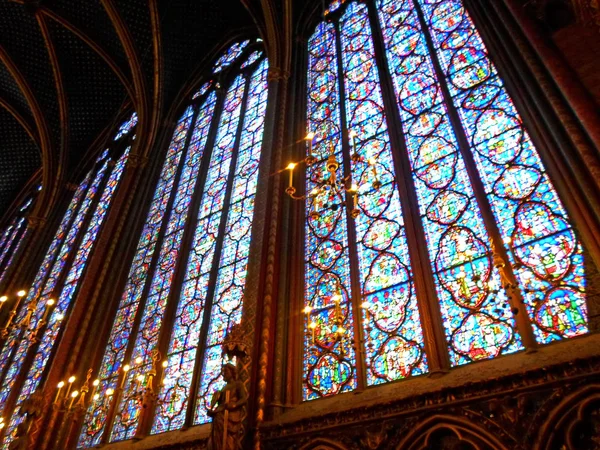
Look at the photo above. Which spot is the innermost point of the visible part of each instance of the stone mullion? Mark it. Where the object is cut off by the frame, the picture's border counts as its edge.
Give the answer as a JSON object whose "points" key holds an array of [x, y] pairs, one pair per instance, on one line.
{"points": [[536, 99], [184, 251], [500, 255], [187, 246], [547, 130], [147, 415], [425, 281], [355, 277]]}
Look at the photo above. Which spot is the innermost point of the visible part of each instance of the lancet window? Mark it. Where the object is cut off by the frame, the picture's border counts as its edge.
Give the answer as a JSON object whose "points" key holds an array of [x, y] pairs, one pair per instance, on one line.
{"points": [[191, 260], [14, 235], [456, 225], [38, 314]]}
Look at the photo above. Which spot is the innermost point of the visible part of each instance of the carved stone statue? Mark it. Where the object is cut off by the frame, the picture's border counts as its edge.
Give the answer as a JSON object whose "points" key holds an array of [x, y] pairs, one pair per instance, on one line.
{"points": [[227, 411], [31, 409]]}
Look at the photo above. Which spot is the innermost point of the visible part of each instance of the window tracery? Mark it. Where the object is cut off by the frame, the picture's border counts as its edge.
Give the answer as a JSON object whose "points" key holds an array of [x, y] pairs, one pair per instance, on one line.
{"points": [[191, 259], [413, 80], [28, 348]]}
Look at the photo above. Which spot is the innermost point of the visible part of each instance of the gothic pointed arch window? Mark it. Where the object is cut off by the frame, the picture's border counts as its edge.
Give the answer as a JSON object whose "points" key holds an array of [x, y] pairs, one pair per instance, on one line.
{"points": [[14, 234], [32, 335], [458, 225], [191, 260]]}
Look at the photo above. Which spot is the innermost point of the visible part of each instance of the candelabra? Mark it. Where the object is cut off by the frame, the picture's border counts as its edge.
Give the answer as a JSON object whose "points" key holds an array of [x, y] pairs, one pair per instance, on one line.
{"points": [[339, 192], [329, 183]]}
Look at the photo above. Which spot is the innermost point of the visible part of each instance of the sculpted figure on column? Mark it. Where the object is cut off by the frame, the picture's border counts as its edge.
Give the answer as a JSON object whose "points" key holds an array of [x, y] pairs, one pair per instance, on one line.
{"points": [[227, 411]]}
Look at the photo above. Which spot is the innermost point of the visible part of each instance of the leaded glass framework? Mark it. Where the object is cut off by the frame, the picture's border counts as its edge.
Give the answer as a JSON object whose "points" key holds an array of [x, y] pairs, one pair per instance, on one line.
{"points": [[191, 260], [13, 236], [465, 203], [28, 349]]}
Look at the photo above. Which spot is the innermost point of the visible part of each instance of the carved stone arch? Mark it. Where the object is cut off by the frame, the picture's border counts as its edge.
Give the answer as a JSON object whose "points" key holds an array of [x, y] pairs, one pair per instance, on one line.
{"points": [[448, 432], [323, 444], [574, 424]]}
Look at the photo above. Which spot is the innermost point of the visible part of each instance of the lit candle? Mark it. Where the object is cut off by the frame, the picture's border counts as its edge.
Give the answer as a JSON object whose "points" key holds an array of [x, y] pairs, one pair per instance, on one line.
{"points": [[138, 360], [125, 370], [313, 327], [309, 137], [49, 305], [74, 395], [354, 192], [71, 380], [291, 167], [3, 300], [96, 383], [352, 135], [109, 392], [20, 296], [60, 386]]}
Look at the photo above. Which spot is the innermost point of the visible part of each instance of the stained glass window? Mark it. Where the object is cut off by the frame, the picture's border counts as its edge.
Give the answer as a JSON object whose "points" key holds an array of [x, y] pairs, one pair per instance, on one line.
{"points": [[13, 236], [446, 134], [204, 196], [57, 278]]}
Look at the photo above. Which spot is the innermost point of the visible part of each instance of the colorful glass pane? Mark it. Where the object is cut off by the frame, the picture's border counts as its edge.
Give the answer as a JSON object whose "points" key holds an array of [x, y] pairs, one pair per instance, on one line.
{"points": [[138, 276], [39, 304], [230, 56], [393, 336], [329, 367], [14, 336], [12, 238], [55, 319], [196, 281], [203, 89], [254, 56], [147, 338], [11, 241], [478, 322], [127, 126], [174, 393], [228, 299], [543, 246]]}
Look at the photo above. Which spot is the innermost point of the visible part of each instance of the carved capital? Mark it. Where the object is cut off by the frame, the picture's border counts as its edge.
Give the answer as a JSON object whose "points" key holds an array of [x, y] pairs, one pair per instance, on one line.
{"points": [[277, 74], [137, 161], [35, 222]]}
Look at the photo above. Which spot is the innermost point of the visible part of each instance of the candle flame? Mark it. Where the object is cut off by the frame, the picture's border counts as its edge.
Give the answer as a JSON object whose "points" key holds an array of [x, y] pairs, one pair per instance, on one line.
{"points": [[96, 382], [310, 136], [138, 360], [312, 325], [21, 293], [307, 310], [74, 394], [352, 134], [110, 392], [126, 368], [3, 298], [50, 302], [165, 364], [72, 379], [291, 166], [61, 384]]}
